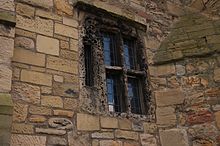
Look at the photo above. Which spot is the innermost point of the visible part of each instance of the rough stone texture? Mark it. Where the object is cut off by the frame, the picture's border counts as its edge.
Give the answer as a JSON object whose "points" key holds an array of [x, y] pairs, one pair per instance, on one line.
{"points": [[47, 45], [36, 77], [50, 131], [169, 97], [29, 57], [110, 143], [217, 118], [217, 74], [103, 135], [20, 112], [87, 122], [107, 122], [25, 10], [174, 136], [166, 116], [24, 42], [40, 3], [63, 7], [7, 5], [126, 134], [54, 140], [148, 140], [66, 31], [27, 140], [40, 110], [52, 101]]}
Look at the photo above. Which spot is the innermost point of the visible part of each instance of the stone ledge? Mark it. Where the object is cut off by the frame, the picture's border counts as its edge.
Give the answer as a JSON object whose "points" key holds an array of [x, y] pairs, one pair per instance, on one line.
{"points": [[6, 104], [103, 8], [7, 18]]}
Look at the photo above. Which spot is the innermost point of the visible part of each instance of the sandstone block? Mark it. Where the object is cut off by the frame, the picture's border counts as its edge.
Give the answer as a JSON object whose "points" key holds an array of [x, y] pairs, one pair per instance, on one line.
{"points": [[6, 49], [22, 128], [74, 45], [103, 135], [28, 57], [7, 5], [174, 136], [58, 78], [5, 78], [70, 55], [66, 31], [199, 117], [48, 14], [50, 131], [24, 42], [52, 101], [38, 25], [107, 122], [25, 33], [66, 89], [55, 140], [39, 3], [27, 140], [63, 6], [150, 127], [166, 116], [169, 97], [63, 113], [125, 124], [60, 123], [25, 10], [46, 90], [64, 45], [162, 70], [62, 65], [6, 104], [70, 22], [37, 119], [110, 143], [70, 103], [36, 77], [20, 112], [217, 74], [126, 134], [40, 110], [47, 45], [148, 140], [87, 122], [131, 144]]}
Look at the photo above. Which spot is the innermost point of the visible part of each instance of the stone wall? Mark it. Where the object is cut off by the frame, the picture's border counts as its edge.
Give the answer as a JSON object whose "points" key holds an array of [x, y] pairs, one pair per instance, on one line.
{"points": [[182, 48]]}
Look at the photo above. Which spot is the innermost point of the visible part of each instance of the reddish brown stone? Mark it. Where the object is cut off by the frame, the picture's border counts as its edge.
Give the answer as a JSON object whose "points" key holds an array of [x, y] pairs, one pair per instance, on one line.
{"points": [[200, 117]]}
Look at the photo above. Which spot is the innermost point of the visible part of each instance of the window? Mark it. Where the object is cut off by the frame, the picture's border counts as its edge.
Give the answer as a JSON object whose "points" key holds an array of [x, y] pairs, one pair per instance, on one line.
{"points": [[115, 71]]}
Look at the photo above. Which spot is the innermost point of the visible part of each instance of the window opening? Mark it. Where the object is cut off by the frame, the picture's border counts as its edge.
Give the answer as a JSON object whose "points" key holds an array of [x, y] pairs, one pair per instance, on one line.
{"points": [[89, 78]]}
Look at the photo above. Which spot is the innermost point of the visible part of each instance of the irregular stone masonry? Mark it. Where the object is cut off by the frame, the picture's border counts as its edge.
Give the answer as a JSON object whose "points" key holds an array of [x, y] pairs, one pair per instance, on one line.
{"points": [[41, 71]]}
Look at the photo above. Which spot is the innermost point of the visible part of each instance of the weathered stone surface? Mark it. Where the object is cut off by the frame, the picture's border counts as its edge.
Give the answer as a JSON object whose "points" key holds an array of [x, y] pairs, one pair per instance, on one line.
{"points": [[150, 127], [63, 6], [148, 140], [70, 103], [20, 112], [174, 136], [7, 5], [6, 104], [7, 31], [52, 101], [22, 128], [87, 122], [80, 140], [107, 122], [37, 119], [58, 78], [69, 55], [137, 126], [40, 110], [180, 70], [217, 119], [48, 14], [131, 144], [63, 65], [40, 3], [29, 57], [66, 31], [24, 42], [47, 45], [26, 92], [110, 143], [200, 117], [36, 77], [125, 124], [169, 97], [103, 135], [74, 45], [65, 89], [217, 74], [46, 90], [55, 140], [162, 70], [50, 131], [6, 49], [25, 10], [63, 113], [27, 140], [60, 123], [70, 21], [37, 25], [166, 116], [25, 33], [5, 122], [126, 134]]}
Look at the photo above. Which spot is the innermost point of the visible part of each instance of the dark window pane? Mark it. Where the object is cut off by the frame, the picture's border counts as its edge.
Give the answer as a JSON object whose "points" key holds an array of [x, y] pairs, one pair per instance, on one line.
{"points": [[88, 65], [129, 54], [134, 95], [110, 51], [113, 93]]}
